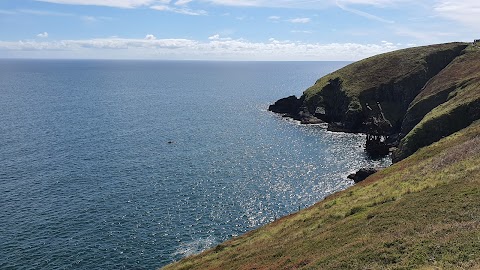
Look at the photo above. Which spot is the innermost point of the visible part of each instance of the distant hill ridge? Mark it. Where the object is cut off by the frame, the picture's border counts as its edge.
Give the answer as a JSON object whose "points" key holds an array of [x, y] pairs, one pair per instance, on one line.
{"points": [[423, 212]]}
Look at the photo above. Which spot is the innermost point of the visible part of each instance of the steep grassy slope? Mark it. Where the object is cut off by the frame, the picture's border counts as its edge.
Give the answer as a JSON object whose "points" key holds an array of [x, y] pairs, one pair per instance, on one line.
{"points": [[423, 212], [457, 74], [450, 102], [392, 79]]}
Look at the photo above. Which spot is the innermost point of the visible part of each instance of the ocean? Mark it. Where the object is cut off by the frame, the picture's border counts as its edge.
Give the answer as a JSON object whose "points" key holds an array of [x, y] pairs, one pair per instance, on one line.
{"points": [[135, 164]]}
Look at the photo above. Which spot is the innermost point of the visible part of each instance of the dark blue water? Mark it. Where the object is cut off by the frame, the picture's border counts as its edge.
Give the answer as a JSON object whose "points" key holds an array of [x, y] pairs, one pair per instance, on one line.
{"points": [[89, 180]]}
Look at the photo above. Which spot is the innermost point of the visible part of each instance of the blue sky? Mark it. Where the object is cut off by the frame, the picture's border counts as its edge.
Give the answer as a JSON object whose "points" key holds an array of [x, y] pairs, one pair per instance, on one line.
{"points": [[229, 29]]}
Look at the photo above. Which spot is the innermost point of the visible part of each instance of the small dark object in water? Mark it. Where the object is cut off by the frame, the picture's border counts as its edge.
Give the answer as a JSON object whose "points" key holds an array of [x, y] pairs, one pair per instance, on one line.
{"points": [[170, 142]]}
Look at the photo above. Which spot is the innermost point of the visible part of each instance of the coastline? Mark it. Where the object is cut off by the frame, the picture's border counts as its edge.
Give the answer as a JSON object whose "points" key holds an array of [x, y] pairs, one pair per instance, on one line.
{"points": [[386, 220]]}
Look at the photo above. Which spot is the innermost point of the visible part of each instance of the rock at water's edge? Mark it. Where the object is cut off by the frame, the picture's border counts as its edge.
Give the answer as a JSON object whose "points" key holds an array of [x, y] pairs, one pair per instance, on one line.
{"points": [[362, 174], [292, 107], [289, 106]]}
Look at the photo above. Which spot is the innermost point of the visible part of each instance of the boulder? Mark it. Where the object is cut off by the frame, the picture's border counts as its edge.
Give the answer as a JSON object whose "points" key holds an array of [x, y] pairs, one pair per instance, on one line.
{"points": [[288, 106], [362, 174]]}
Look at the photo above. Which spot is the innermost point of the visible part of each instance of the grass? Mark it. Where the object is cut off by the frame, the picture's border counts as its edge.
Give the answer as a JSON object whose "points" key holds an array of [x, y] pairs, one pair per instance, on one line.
{"points": [[394, 79], [462, 108], [381, 69], [462, 71], [422, 212]]}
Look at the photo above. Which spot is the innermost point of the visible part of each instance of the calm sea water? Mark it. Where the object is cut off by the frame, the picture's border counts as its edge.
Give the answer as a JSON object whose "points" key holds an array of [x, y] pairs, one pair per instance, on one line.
{"points": [[134, 164]]}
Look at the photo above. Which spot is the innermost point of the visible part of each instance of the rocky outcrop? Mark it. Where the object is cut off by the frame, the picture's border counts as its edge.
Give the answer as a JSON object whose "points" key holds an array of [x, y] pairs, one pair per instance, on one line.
{"points": [[289, 106], [460, 72], [448, 103], [461, 110], [362, 174], [292, 107], [346, 99]]}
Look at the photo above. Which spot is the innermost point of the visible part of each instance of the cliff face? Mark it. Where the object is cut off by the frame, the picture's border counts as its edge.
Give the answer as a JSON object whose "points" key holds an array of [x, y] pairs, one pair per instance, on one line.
{"points": [[460, 110], [458, 73], [399, 88], [393, 80]]}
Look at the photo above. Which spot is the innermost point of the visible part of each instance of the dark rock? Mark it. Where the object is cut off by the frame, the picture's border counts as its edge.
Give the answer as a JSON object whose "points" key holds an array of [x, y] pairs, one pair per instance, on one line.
{"points": [[292, 107], [306, 118], [362, 174], [289, 106]]}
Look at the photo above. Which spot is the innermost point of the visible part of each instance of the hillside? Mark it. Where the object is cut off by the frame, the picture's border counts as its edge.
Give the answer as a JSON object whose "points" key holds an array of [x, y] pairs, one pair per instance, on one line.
{"points": [[423, 212], [345, 97], [448, 103]]}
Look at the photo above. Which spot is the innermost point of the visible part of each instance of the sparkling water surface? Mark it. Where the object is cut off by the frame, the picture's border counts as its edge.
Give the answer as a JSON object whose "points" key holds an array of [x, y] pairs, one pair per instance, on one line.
{"points": [[135, 164]]}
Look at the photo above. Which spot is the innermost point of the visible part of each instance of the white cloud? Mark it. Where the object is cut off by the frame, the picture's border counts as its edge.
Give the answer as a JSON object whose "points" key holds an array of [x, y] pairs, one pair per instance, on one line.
{"points": [[43, 35], [363, 13], [7, 12], [108, 3], [300, 20], [466, 12], [424, 35], [215, 48], [45, 13], [150, 37], [214, 37], [184, 11], [182, 2], [313, 4], [302, 31], [89, 19], [218, 37], [274, 18]]}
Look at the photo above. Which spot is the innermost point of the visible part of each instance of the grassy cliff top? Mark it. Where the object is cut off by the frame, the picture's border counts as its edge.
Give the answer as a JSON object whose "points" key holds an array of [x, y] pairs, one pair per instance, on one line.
{"points": [[462, 70], [381, 69], [423, 212], [460, 110]]}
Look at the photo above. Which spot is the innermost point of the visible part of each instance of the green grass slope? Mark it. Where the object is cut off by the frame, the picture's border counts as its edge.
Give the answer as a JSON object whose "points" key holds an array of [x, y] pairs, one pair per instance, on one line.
{"points": [[457, 74], [457, 91], [422, 213], [393, 79]]}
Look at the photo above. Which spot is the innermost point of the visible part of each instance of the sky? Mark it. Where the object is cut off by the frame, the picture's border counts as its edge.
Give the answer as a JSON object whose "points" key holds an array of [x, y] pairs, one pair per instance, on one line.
{"points": [[229, 29]]}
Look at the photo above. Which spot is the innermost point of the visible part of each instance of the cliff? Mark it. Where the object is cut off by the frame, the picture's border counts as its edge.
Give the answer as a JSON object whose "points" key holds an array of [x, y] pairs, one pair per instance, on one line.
{"points": [[448, 103], [389, 94], [423, 212]]}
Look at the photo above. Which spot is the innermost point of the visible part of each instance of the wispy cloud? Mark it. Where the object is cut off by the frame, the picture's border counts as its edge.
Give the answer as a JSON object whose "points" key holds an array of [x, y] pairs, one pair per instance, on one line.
{"points": [[7, 12], [215, 48], [150, 37], [364, 14], [184, 11], [302, 31], [300, 20], [302, 4], [466, 12], [45, 13], [182, 2], [422, 35], [85, 18], [43, 35], [108, 3]]}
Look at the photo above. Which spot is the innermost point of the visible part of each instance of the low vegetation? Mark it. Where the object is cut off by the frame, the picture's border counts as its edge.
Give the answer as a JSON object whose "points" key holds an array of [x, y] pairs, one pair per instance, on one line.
{"points": [[392, 79], [462, 71], [450, 102], [422, 212]]}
